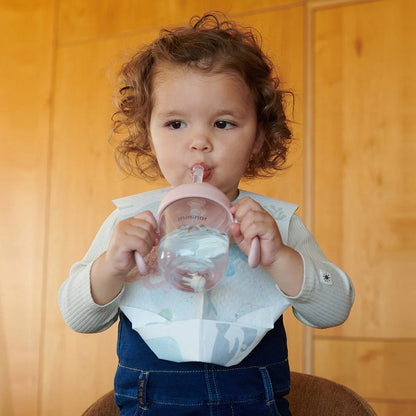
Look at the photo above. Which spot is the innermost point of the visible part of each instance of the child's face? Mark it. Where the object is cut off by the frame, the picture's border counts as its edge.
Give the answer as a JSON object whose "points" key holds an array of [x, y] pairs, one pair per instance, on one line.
{"points": [[206, 118]]}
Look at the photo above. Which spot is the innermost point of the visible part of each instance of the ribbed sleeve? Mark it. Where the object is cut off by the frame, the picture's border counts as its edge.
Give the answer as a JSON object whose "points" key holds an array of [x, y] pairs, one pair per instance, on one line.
{"points": [[327, 293]]}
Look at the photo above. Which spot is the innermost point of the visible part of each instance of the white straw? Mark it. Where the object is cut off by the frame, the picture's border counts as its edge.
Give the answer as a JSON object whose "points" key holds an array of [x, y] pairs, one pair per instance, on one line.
{"points": [[197, 173]]}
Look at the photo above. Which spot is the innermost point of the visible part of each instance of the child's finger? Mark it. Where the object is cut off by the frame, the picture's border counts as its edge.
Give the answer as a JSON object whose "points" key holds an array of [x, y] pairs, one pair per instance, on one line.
{"points": [[242, 207], [147, 216], [240, 239], [256, 223], [236, 232]]}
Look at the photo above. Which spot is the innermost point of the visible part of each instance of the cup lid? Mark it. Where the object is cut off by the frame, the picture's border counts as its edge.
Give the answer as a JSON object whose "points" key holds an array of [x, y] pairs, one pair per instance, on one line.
{"points": [[195, 190]]}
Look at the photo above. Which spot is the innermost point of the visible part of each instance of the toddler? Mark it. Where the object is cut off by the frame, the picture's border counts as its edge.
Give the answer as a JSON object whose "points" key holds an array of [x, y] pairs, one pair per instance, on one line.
{"points": [[204, 94]]}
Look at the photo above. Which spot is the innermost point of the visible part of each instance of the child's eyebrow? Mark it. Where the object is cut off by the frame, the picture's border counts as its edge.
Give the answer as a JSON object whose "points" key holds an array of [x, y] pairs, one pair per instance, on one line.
{"points": [[236, 112], [220, 112], [169, 114]]}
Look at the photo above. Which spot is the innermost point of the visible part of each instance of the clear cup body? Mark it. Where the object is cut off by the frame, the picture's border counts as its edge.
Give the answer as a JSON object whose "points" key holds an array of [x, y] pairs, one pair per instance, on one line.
{"points": [[193, 250]]}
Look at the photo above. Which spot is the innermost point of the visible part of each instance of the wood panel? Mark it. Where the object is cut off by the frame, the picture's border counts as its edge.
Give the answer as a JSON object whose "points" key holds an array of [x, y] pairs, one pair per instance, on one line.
{"points": [[81, 20], [26, 45], [365, 216], [376, 370], [400, 408], [85, 179], [365, 158]]}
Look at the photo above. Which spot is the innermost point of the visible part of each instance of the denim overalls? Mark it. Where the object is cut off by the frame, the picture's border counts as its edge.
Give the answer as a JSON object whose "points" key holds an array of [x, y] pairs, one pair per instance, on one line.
{"points": [[146, 385]]}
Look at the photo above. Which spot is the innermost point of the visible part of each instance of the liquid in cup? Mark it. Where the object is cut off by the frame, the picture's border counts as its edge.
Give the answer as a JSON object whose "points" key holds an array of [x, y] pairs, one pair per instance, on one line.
{"points": [[194, 258]]}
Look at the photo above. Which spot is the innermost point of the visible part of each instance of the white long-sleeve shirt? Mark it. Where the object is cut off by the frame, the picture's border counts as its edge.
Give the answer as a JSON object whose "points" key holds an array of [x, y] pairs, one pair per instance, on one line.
{"points": [[325, 298]]}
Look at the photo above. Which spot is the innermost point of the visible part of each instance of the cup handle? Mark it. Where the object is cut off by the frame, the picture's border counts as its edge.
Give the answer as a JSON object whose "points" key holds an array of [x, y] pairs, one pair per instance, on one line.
{"points": [[254, 253], [141, 265]]}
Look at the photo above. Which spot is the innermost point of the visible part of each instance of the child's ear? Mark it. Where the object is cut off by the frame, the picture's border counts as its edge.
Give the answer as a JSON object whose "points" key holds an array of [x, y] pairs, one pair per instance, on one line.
{"points": [[258, 142]]}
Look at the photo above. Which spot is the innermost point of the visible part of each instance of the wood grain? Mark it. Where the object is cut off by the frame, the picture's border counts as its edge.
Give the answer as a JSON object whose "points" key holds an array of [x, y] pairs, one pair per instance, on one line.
{"points": [[80, 20], [375, 369], [365, 158], [365, 216], [26, 72], [401, 408]]}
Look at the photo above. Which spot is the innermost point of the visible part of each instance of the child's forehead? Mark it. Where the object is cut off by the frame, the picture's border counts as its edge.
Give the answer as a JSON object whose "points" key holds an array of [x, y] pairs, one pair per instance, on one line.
{"points": [[168, 71], [196, 91], [165, 70]]}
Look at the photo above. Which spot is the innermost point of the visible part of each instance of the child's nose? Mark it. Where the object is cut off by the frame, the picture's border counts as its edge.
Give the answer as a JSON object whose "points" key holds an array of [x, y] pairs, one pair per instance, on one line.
{"points": [[201, 143]]}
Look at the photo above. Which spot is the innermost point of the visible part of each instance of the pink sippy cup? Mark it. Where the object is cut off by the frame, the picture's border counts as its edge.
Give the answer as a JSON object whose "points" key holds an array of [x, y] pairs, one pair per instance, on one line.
{"points": [[194, 222]]}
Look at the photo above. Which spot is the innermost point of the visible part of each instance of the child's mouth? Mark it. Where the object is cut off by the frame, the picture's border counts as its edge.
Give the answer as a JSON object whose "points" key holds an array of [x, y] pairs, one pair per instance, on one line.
{"points": [[207, 170]]}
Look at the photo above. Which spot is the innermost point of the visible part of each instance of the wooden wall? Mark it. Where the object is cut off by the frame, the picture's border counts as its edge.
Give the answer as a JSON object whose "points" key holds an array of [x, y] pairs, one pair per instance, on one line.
{"points": [[26, 44], [352, 67], [364, 105]]}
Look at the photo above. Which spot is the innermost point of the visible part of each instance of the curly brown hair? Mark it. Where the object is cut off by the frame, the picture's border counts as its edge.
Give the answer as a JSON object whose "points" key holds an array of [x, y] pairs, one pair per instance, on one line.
{"points": [[209, 43]]}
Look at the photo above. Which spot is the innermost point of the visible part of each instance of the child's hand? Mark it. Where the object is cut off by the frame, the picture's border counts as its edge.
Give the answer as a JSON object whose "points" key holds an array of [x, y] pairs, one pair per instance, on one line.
{"points": [[284, 264], [110, 270], [253, 220], [137, 233]]}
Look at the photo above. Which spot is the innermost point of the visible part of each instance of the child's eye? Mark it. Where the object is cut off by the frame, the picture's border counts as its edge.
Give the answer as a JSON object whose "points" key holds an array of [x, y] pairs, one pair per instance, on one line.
{"points": [[222, 124], [176, 124]]}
